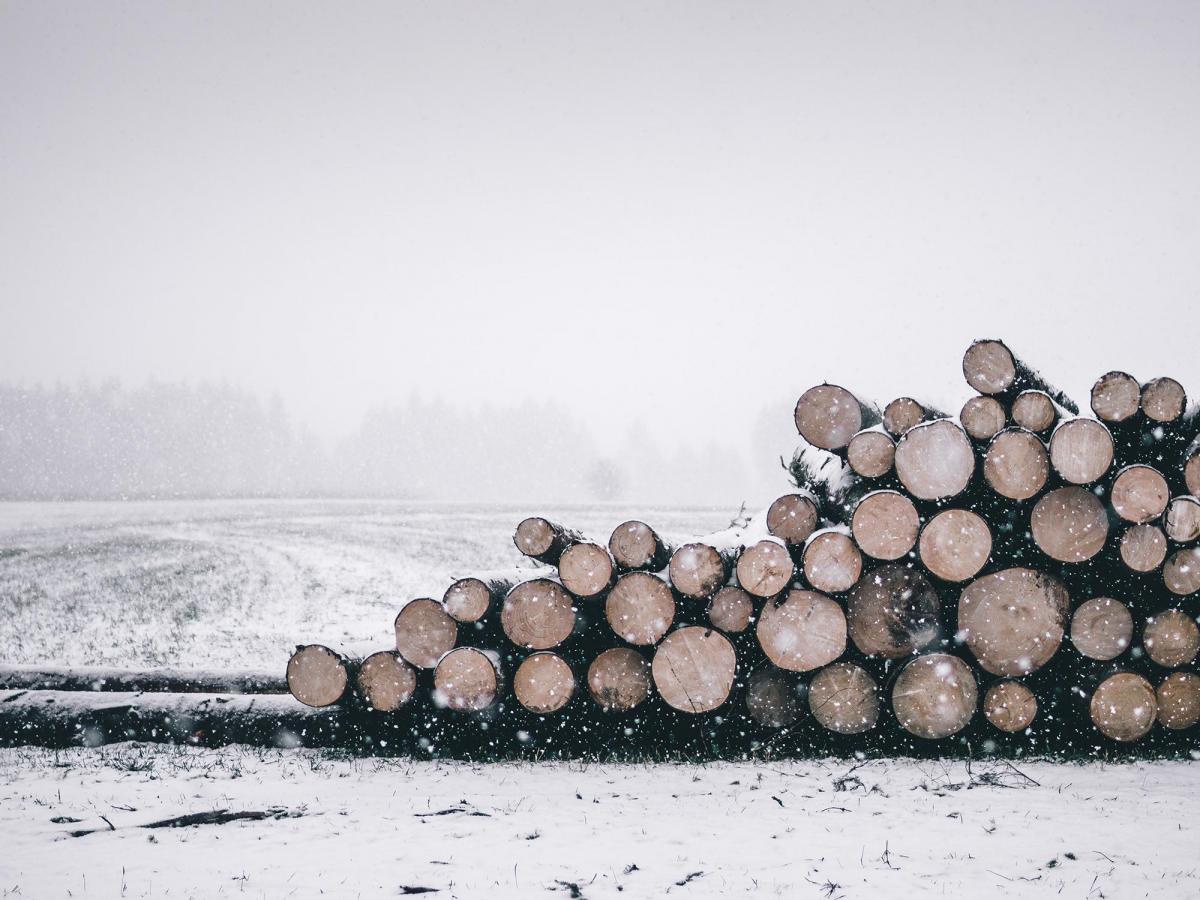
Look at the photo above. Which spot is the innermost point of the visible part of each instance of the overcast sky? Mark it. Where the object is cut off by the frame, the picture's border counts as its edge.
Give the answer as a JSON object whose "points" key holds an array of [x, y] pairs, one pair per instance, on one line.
{"points": [[684, 212]]}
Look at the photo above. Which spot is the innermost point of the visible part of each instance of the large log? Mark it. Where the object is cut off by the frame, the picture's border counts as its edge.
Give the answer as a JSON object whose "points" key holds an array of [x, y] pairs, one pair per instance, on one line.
{"points": [[802, 632], [885, 525], [1116, 397], [640, 608], [1010, 706], [1016, 464], [1171, 638], [1070, 525], [1179, 700], [934, 460], [771, 698], [1102, 628], [466, 679], [991, 368], [317, 675], [1182, 519], [792, 518], [955, 544], [844, 699], [1081, 450], [543, 540], [694, 668], [1124, 707], [935, 696], [871, 454], [544, 683], [1164, 400], [765, 569], [1143, 548], [1139, 494], [619, 679], [635, 545], [1013, 620], [828, 416], [424, 632], [586, 569], [1181, 573], [893, 612], [697, 570], [731, 610], [385, 681], [103, 678], [832, 563], [982, 418], [538, 614]]}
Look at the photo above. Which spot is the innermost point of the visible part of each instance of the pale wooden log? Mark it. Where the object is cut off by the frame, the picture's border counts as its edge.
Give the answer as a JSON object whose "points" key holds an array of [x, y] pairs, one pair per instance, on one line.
{"points": [[640, 608], [385, 681], [1070, 524], [1171, 638], [1164, 400], [586, 569], [635, 546], [1182, 519], [697, 570], [893, 612], [1010, 706], [543, 540], [694, 668], [1179, 700], [935, 696], [771, 698], [1102, 628], [466, 679], [955, 544], [317, 675], [538, 614], [1124, 707], [544, 683], [990, 367], [467, 600], [619, 679], [844, 699], [1016, 464], [871, 454], [802, 632], [1081, 450], [1143, 548], [832, 562], [827, 416], [1139, 494], [155, 680], [1013, 620], [934, 460], [424, 632], [1035, 411], [982, 418], [904, 413], [885, 524], [731, 610], [1181, 574], [1116, 397], [792, 518], [1191, 468], [766, 568]]}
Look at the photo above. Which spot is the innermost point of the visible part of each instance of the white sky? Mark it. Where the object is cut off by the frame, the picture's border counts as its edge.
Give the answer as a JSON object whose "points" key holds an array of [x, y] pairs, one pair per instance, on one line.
{"points": [[679, 211]]}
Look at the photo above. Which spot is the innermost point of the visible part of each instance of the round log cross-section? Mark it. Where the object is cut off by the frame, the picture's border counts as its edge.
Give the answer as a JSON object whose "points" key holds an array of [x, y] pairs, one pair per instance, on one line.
{"points": [[885, 524], [1164, 400], [640, 608], [1013, 620], [1171, 638], [1016, 464], [935, 696], [934, 460], [955, 544], [1191, 474], [1124, 707], [989, 367], [792, 518], [1010, 706], [771, 698], [766, 568], [902, 414], [832, 562], [386, 681], [697, 570], [1182, 521], [871, 454], [1181, 573], [1116, 397], [844, 699], [635, 545], [317, 676], [542, 539], [1081, 450], [827, 416], [466, 679], [424, 632], [538, 614], [982, 418], [543, 683], [1140, 494], [694, 669], [467, 600], [1102, 628], [1143, 548], [731, 609], [1034, 410], [1070, 524], [619, 679], [805, 631], [1179, 700], [892, 612], [586, 570]]}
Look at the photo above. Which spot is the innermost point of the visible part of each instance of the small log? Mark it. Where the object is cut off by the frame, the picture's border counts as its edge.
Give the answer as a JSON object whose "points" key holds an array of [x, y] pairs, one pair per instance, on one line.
{"points": [[544, 683], [697, 570], [1140, 494], [467, 600], [1013, 620], [1035, 411], [1016, 464], [318, 676], [765, 569], [792, 518], [1081, 450], [982, 418], [1070, 524], [466, 679], [935, 696], [544, 540], [844, 699], [1010, 706], [619, 679], [802, 632], [694, 669], [175, 681], [424, 632], [1164, 400], [640, 608], [1116, 397], [1181, 574], [993, 369], [828, 416], [1182, 520], [386, 682], [1179, 700], [771, 698], [1143, 548], [586, 569], [871, 454], [636, 546], [934, 460], [1102, 628], [902, 414], [893, 612], [1171, 638], [1124, 707], [1191, 468], [955, 544], [538, 614], [731, 610], [832, 563], [885, 525]]}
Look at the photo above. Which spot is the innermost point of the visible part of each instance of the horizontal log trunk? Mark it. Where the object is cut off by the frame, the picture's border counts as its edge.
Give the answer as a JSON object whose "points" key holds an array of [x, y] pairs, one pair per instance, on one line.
{"points": [[1171, 639], [793, 517], [765, 569], [640, 608], [694, 669], [983, 418], [385, 681], [1013, 620], [1102, 628], [1081, 450], [803, 631], [619, 679], [935, 696], [904, 413], [538, 614], [1181, 572], [893, 612], [934, 460], [1191, 468], [586, 569], [1143, 548], [176, 681], [1116, 397], [1178, 699], [697, 570], [1070, 525], [636, 546], [885, 525], [731, 610], [771, 698], [955, 544], [544, 540], [544, 683], [1164, 400], [1140, 494], [424, 632], [991, 368], [828, 416], [1010, 706], [871, 454], [467, 679], [1016, 465], [844, 699], [1036, 411], [1182, 520], [1124, 707], [832, 562], [318, 676]]}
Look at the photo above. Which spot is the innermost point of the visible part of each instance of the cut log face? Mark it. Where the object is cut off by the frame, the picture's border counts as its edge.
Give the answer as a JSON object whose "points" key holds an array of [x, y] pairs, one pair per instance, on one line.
{"points": [[982, 417], [902, 414], [885, 524], [989, 367], [386, 681], [424, 632], [955, 544], [1164, 400], [827, 416], [765, 569], [465, 679], [1070, 525], [935, 696], [697, 570], [635, 545], [1116, 397], [1179, 700], [1016, 464], [871, 454], [771, 698], [538, 614], [640, 608], [1140, 494], [1182, 520], [1034, 410], [1010, 706], [731, 609], [792, 518], [844, 699], [934, 460], [544, 683], [586, 570], [1181, 574], [1081, 450], [893, 612], [542, 540], [1102, 628], [1124, 707], [467, 600], [1013, 620], [1191, 474], [805, 631], [694, 669], [1172, 639], [317, 676], [1143, 548], [619, 679], [832, 563]]}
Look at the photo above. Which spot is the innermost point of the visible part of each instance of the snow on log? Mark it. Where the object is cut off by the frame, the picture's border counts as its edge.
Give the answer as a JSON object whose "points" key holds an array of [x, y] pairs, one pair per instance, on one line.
{"points": [[317, 675], [385, 681], [586, 570], [1139, 494], [1016, 465], [1070, 524], [832, 562], [982, 418], [765, 569], [538, 614], [636, 546], [619, 679], [991, 368], [803, 631], [1013, 620], [424, 632], [1102, 628], [1010, 706], [640, 608], [731, 610], [694, 669], [177, 681], [793, 517], [544, 682], [1179, 700], [1164, 400], [844, 699], [1081, 450], [466, 679], [885, 525], [828, 416], [543, 540], [1124, 707], [955, 544], [1171, 638], [1116, 397], [893, 612], [935, 460], [1143, 548], [935, 696]]}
